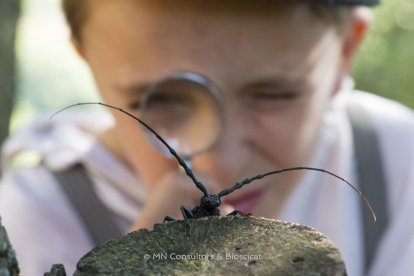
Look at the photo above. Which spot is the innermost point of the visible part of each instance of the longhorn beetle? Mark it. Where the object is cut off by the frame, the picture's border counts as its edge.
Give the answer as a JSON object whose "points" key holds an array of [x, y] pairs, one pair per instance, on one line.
{"points": [[209, 203]]}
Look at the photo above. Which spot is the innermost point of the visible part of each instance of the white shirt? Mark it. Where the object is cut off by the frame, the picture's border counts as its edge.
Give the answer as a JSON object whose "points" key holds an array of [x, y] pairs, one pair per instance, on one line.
{"points": [[44, 228]]}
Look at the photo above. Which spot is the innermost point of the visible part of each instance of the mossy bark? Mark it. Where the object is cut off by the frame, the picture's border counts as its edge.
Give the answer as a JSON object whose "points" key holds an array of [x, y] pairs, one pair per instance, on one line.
{"points": [[239, 245], [56, 270], [8, 261]]}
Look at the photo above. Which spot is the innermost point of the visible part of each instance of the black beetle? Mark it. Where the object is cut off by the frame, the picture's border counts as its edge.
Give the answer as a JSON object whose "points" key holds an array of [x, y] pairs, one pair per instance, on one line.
{"points": [[210, 203]]}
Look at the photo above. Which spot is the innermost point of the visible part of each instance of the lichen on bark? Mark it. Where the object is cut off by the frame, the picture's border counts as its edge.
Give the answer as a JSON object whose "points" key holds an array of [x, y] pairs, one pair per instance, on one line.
{"points": [[8, 261], [242, 245]]}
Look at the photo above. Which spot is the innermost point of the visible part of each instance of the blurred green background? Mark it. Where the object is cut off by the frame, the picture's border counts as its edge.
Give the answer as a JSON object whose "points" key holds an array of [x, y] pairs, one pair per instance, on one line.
{"points": [[50, 75], [385, 64]]}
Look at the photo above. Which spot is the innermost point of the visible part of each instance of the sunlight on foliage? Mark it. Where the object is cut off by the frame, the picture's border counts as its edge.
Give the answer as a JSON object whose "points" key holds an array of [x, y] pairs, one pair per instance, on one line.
{"points": [[385, 63]]}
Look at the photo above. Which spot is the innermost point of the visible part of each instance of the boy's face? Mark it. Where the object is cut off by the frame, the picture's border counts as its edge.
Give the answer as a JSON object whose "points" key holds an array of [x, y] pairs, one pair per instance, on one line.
{"points": [[277, 67]]}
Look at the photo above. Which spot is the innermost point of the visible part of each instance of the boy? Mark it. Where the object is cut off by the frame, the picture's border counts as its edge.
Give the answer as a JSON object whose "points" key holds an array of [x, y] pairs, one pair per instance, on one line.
{"points": [[282, 71]]}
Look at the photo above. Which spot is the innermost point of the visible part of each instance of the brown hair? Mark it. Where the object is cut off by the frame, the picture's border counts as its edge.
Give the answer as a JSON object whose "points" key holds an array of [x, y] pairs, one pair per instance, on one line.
{"points": [[76, 12]]}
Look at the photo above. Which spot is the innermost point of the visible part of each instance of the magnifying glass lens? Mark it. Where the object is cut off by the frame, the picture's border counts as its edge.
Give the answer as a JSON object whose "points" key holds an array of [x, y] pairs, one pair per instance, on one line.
{"points": [[185, 113]]}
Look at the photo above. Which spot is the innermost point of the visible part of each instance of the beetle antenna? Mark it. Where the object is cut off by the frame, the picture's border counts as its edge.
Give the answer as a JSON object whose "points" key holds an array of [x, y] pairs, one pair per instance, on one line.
{"points": [[246, 181], [181, 162]]}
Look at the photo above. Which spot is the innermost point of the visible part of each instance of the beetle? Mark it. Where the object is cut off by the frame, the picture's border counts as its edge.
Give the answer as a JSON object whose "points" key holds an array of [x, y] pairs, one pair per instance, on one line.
{"points": [[210, 203]]}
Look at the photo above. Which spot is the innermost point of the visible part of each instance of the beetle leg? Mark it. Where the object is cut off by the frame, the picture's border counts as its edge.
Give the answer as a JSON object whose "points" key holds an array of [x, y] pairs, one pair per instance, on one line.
{"points": [[169, 218], [187, 214]]}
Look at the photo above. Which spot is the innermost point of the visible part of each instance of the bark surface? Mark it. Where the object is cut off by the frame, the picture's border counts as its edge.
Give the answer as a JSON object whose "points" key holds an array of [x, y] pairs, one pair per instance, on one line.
{"points": [[8, 261], [239, 245]]}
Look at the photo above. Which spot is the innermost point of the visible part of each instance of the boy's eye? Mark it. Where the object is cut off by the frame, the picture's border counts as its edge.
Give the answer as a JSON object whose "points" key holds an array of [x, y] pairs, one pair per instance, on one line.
{"points": [[157, 101], [272, 96], [273, 101]]}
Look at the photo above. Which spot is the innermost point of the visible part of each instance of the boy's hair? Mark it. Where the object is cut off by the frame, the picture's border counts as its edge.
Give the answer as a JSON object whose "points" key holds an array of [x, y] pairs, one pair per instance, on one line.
{"points": [[76, 12]]}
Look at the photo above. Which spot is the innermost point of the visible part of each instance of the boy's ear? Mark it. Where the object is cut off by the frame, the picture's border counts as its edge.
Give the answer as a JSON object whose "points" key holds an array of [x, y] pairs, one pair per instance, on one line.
{"points": [[359, 25], [76, 45], [352, 37]]}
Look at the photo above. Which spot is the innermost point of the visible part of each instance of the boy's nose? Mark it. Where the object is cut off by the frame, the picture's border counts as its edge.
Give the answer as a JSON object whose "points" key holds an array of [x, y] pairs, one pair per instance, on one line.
{"points": [[227, 158]]}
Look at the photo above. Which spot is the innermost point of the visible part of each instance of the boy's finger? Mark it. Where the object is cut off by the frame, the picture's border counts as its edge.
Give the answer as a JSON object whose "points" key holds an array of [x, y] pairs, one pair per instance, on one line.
{"points": [[226, 209]]}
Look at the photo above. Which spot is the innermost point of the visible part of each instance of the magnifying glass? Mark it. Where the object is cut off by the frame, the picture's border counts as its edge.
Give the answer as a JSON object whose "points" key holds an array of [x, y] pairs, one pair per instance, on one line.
{"points": [[186, 109]]}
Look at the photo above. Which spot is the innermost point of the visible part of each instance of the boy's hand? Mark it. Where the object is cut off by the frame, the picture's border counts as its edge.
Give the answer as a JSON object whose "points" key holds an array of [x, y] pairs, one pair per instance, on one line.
{"points": [[173, 191]]}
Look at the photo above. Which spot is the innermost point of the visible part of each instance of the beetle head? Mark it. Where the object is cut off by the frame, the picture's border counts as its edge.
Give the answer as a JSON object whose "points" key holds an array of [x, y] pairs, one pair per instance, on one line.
{"points": [[210, 202]]}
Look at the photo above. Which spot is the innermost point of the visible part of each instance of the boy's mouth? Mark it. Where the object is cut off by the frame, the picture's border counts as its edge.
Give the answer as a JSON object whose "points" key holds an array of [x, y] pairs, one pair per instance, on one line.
{"points": [[246, 203]]}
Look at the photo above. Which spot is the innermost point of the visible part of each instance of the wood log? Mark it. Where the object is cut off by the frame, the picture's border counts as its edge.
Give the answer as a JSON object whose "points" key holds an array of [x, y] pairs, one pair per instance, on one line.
{"points": [[235, 245]]}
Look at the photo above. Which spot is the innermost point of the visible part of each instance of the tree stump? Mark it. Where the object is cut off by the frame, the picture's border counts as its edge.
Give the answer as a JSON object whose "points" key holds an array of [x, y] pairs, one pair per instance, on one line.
{"points": [[8, 261], [235, 245]]}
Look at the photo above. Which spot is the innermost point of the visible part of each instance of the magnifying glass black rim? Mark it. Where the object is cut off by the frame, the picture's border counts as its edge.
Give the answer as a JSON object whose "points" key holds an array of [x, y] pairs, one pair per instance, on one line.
{"points": [[199, 80]]}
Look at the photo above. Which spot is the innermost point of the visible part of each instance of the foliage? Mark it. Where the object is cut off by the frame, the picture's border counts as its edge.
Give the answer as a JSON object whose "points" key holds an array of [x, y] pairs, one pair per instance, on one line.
{"points": [[385, 62]]}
